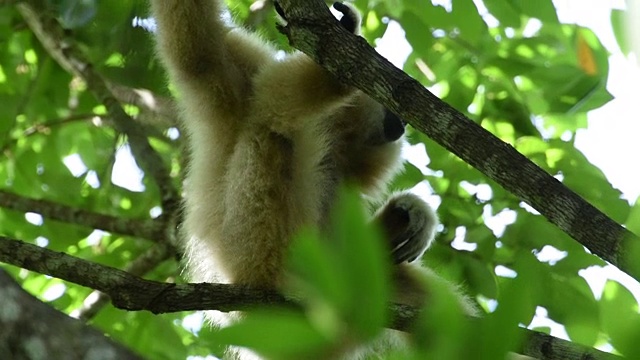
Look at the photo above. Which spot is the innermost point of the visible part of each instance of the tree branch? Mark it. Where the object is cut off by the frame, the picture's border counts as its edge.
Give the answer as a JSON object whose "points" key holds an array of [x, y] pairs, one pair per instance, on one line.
{"points": [[312, 29], [147, 229], [64, 51], [32, 329], [140, 266], [132, 293]]}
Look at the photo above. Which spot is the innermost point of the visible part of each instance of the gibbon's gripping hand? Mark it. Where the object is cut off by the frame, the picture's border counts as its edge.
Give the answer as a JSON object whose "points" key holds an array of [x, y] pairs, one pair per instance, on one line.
{"points": [[350, 17], [409, 225], [279, 10]]}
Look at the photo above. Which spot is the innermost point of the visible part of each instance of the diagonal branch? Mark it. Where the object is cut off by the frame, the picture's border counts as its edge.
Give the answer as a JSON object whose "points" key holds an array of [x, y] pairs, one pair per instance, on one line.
{"points": [[65, 52], [146, 229], [132, 293], [312, 29]]}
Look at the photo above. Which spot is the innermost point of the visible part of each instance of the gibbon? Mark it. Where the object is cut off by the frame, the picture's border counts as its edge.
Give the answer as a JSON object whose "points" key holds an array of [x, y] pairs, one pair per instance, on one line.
{"points": [[271, 140]]}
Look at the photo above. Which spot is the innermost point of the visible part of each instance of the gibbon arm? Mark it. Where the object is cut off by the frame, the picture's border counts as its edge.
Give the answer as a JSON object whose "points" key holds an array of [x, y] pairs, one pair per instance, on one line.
{"points": [[290, 93], [191, 42], [297, 88]]}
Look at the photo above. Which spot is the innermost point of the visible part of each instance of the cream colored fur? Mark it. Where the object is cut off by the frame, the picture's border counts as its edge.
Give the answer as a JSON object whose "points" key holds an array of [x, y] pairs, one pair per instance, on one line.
{"points": [[270, 142]]}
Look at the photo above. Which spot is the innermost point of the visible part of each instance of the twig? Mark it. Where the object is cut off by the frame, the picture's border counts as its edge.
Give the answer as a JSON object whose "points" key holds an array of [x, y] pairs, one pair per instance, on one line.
{"points": [[147, 229]]}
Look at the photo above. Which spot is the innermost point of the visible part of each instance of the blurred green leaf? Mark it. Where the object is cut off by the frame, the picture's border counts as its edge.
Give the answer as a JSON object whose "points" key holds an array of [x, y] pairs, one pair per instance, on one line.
{"points": [[620, 318], [265, 330], [619, 26], [506, 13], [470, 24], [76, 13], [543, 10], [361, 251]]}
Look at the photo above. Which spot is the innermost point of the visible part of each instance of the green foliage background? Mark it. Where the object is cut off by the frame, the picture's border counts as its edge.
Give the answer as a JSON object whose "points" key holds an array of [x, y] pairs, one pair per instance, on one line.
{"points": [[531, 91]]}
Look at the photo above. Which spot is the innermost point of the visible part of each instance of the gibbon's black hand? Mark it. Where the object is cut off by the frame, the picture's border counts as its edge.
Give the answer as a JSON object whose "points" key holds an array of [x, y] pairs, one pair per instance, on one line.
{"points": [[281, 20], [406, 227], [279, 10], [350, 19], [393, 126]]}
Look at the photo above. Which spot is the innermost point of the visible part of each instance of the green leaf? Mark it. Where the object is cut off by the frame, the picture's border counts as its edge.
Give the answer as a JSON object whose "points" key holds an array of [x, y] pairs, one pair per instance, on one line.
{"points": [[432, 15], [362, 252], [505, 12], [540, 9], [344, 276], [441, 326], [571, 303], [620, 318], [619, 25], [76, 13], [633, 220], [516, 305], [275, 333], [471, 25], [317, 271]]}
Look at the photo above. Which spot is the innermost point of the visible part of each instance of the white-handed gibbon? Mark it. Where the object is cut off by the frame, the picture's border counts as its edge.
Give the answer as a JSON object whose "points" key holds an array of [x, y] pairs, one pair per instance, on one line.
{"points": [[271, 140]]}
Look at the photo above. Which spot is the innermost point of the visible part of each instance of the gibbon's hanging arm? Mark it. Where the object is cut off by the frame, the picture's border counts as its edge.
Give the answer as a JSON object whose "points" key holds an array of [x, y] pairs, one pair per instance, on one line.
{"points": [[312, 29]]}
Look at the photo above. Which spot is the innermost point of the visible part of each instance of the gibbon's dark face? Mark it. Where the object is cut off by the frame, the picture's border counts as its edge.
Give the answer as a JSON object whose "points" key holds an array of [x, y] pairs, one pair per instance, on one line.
{"points": [[393, 126]]}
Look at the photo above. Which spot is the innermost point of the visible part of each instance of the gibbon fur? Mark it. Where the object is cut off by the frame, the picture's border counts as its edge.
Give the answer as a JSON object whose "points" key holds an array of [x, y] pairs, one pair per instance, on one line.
{"points": [[271, 140]]}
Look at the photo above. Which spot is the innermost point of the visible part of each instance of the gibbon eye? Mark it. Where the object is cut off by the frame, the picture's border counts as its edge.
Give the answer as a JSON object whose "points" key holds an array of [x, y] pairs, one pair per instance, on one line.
{"points": [[393, 126]]}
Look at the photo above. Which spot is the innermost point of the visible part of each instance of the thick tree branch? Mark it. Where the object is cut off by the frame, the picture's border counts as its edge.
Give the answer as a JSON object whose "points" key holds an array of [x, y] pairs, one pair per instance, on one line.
{"points": [[132, 293], [30, 329], [64, 51], [546, 347], [312, 29], [146, 229]]}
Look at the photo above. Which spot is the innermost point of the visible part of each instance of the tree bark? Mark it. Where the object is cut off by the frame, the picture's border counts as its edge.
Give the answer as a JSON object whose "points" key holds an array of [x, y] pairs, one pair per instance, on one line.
{"points": [[30, 329]]}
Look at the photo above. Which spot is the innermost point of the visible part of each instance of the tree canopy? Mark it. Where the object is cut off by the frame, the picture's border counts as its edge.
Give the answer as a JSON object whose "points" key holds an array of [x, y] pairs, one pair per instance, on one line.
{"points": [[85, 104]]}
